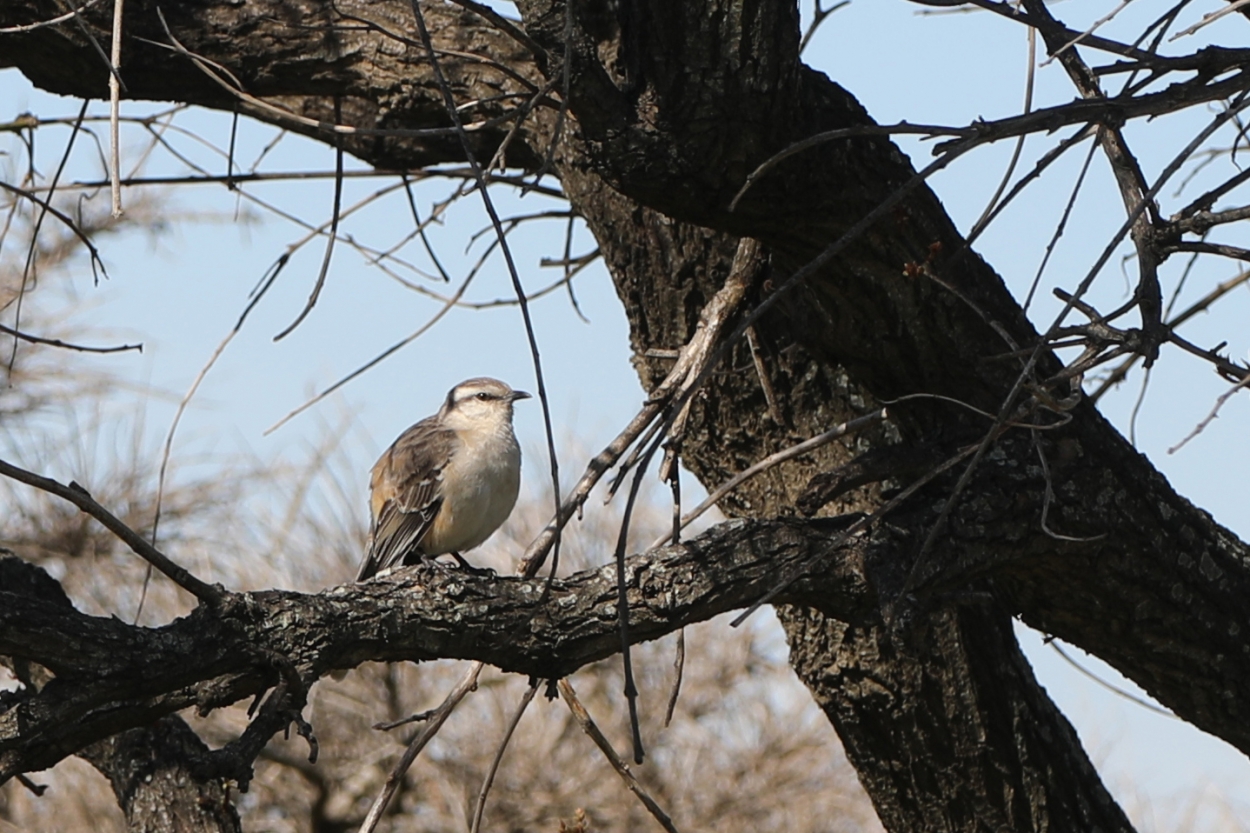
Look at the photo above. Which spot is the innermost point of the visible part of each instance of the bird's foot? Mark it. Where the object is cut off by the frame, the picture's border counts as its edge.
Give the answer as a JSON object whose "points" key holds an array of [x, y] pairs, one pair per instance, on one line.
{"points": [[485, 572], [461, 564]]}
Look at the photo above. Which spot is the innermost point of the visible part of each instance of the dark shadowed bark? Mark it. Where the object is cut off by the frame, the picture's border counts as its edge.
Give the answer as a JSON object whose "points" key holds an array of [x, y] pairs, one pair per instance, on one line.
{"points": [[673, 105]]}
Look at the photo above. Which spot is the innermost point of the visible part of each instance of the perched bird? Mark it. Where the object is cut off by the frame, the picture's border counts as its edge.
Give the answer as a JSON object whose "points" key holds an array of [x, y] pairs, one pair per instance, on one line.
{"points": [[448, 482]]}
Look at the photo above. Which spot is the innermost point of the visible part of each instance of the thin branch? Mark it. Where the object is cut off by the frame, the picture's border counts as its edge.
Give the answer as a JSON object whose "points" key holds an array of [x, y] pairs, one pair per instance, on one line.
{"points": [[267, 281], [989, 212], [1200, 247], [818, 17], [1012, 11], [223, 78], [1201, 305], [773, 460], [334, 231], [1094, 27], [588, 726], [1145, 704], [69, 222], [79, 496], [791, 576], [56, 342], [33, 248], [467, 683], [115, 98], [508, 27], [1210, 18], [30, 27], [1061, 226], [450, 105], [503, 746], [679, 667], [1070, 303], [1215, 412], [420, 331], [282, 176], [713, 319], [761, 372]]}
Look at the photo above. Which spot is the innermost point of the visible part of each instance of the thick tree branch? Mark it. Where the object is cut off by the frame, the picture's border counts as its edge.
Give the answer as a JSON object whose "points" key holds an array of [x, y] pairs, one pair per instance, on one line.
{"points": [[110, 676]]}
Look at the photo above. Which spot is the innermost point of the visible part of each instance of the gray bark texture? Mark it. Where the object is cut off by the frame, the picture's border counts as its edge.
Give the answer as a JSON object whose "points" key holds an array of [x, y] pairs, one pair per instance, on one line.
{"points": [[671, 106]]}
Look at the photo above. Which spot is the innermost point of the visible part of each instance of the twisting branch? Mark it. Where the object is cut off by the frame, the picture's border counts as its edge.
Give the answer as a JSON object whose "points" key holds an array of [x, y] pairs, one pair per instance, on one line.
{"points": [[131, 676]]}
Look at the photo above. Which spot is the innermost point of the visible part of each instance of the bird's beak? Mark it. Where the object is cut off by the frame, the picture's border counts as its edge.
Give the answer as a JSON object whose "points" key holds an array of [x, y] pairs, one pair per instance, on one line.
{"points": [[520, 394]]}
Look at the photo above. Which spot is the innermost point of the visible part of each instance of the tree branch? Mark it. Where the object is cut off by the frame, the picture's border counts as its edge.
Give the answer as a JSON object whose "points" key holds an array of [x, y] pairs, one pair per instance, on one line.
{"points": [[111, 676]]}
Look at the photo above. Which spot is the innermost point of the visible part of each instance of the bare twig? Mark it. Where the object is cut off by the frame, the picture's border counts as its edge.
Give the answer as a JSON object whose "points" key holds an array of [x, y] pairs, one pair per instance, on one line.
{"points": [[97, 264], [774, 460], [1060, 227], [334, 230], [1145, 704], [30, 27], [679, 667], [281, 176], [266, 282], [467, 683], [988, 213], [115, 98], [588, 726], [1049, 498], [818, 17], [226, 80], [56, 342], [1210, 18], [79, 496], [1094, 27], [761, 371], [1117, 375], [508, 27], [713, 319], [503, 746], [1129, 178], [1215, 412], [1072, 299], [1202, 247], [796, 573], [420, 331], [489, 205]]}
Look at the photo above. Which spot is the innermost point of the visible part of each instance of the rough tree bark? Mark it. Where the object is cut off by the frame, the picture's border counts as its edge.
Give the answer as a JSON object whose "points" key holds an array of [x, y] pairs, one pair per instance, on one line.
{"points": [[672, 105]]}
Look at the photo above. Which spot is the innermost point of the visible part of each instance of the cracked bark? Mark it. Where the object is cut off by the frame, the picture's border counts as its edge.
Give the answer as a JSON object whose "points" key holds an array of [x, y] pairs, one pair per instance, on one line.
{"points": [[954, 734]]}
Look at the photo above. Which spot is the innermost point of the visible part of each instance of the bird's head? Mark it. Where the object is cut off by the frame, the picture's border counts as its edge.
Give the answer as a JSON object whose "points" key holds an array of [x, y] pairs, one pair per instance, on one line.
{"points": [[481, 403]]}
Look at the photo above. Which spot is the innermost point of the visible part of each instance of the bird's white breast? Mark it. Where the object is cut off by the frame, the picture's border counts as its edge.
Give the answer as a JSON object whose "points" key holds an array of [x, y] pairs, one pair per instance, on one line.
{"points": [[480, 486]]}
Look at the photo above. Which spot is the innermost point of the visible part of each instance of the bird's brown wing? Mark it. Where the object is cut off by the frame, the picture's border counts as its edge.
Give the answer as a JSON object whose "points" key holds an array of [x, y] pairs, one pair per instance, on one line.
{"points": [[405, 495]]}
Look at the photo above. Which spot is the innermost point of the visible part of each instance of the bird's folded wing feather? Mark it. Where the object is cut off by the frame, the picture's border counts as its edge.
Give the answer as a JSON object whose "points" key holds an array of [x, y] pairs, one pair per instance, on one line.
{"points": [[406, 493]]}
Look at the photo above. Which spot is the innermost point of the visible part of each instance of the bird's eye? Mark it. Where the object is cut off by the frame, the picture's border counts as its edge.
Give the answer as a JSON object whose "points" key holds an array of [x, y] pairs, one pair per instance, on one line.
{"points": [[483, 396]]}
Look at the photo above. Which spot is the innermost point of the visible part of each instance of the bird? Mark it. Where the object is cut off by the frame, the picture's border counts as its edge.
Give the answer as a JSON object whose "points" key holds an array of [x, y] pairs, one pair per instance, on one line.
{"points": [[448, 482]]}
